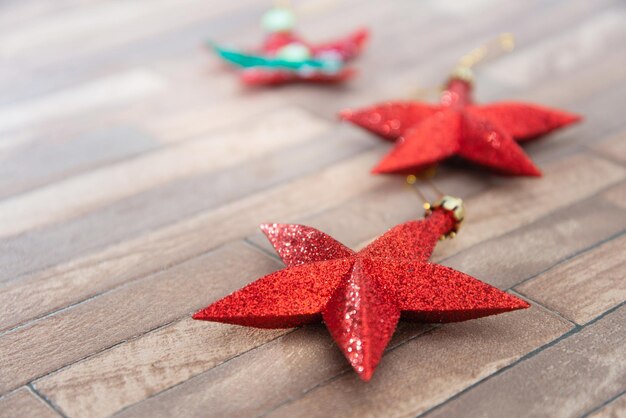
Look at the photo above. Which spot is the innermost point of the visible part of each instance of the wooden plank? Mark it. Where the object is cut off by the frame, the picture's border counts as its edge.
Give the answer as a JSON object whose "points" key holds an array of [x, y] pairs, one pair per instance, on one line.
{"points": [[51, 342], [613, 148], [87, 308], [616, 195], [459, 353], [20, 12], [203, 119], [39, 163], [521, 254], [600, 111], [83, 277], [614, 409], [131, 372], [24, 403], [563, 226], [499, 210], [122, 262], [591, 81], [131, 259], [87, 192], [566, 379], [585, 287], [75, 27], [359, 220], [564, 51], [167, 204], [148, 380], [110, 90], [520, 201], [596, 98], [139, 35], [312, 355], [450, 41]]}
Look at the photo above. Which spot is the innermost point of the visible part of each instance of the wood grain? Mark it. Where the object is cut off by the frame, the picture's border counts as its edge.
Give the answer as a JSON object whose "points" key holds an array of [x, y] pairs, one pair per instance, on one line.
{"points": [[133, 371], [591, 359], [83, 277], [108, 91], [556, 237], [613, 148], [51, 342], [24, 403], [75, 196], [496, 211], [614, 409], [184, 197], [564, 228], [594, 283], [463, 353], [29, 166]]}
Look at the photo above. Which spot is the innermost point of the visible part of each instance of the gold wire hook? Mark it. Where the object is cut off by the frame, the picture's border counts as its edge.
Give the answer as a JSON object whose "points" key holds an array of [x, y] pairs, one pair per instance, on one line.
{"points": [[503, 44], [426, 177], [411, 181], [435, 188], [450, 203]]}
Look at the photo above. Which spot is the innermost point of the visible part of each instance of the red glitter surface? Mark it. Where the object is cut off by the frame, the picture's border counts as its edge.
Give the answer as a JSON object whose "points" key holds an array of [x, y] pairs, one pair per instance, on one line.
{"points": [[483, 134], [360, 295], [361, 316], [300, 244]]}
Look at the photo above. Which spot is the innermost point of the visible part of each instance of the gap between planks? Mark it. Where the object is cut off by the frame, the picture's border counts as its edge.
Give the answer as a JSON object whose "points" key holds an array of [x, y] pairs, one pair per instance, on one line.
{"points": [[575, 330]]}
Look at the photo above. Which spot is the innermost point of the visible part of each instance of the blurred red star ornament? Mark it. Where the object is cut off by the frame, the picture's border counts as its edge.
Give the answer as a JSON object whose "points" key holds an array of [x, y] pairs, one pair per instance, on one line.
{"points": [[483, 134], [361, 295], [286, 57]]}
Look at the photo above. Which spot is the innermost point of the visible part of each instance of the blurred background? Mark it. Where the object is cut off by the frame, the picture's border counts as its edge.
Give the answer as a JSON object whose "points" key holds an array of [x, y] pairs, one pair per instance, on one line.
{"points": [[130, 85]]}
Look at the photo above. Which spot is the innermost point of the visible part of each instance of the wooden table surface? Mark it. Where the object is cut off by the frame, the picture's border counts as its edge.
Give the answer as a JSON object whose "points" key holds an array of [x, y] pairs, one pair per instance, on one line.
{"points": [[134, 169]]}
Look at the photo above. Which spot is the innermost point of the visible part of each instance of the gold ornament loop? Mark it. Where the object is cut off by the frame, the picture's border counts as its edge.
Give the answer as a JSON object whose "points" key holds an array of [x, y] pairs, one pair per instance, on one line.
{"points": [[502, 44], [451, 204]]}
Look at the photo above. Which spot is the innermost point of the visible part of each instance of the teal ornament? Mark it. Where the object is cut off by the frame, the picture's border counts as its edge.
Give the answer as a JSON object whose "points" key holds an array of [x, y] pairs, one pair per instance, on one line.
{"points": [[244, 60]]}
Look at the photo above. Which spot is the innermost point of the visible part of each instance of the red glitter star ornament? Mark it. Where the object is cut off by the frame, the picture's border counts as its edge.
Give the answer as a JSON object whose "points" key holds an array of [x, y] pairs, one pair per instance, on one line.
{"points": [[361, 295], [483, 134]]}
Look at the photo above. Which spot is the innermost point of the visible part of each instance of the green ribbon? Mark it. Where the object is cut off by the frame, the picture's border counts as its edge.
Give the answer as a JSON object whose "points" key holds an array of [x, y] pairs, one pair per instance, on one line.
{"points": [[249, 60]]}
